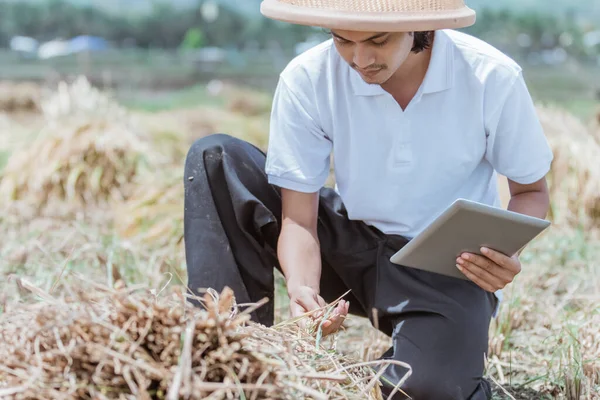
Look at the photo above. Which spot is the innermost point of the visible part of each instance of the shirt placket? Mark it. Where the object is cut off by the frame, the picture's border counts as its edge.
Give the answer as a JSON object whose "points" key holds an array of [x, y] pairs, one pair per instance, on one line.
{"points": [[402, 154]]}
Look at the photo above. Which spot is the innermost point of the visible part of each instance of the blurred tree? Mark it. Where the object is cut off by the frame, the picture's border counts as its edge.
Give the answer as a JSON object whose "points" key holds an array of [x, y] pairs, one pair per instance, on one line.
{"points": [[522, 33], [165, 26], [194, 39]]}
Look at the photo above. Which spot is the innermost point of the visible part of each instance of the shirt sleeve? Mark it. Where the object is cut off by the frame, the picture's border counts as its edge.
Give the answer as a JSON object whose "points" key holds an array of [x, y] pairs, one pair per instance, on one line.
{"points": [[516, 144], [298, 154]]}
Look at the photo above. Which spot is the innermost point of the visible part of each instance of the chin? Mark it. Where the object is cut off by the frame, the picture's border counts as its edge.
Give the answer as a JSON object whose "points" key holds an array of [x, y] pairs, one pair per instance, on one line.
{"points": [[378, 79], [373, 80], [384, 79]]}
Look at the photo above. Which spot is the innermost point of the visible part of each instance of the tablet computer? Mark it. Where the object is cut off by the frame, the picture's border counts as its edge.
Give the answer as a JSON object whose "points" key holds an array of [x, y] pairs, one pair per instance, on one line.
{"points": [[466, 226]]}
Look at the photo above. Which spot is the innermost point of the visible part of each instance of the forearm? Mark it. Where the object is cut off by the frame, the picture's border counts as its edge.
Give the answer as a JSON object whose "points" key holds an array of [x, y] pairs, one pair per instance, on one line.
{"points": [[299, 255], [534, 203]]}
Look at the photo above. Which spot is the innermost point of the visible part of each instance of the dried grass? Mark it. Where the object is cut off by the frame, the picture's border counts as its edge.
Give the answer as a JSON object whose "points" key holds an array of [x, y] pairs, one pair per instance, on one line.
{"points": [[595, 126], [9, 134], [547, 332], [49, 248], [174, 131], [574, 179], [80, 99], [81, 163], [153, 215], [88, 153], [247, 102], [20, 96], [128, 343], [546, 335]]}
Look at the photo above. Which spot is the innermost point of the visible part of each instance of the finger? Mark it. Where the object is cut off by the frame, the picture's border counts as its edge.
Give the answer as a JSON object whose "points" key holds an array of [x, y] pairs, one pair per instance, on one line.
{"points": [[501, 259], [321, 301], [336, 319], [341, 308], [333, 325], [483, 275], [476, 259], [338, 310], [482, 284], [296, 310], [488, 265], [322, 305], [494, 255], [309, 303]]}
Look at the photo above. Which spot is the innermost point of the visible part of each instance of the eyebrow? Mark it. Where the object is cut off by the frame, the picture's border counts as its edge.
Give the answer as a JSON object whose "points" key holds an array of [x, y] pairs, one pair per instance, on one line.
{"points": [[377, 36]]}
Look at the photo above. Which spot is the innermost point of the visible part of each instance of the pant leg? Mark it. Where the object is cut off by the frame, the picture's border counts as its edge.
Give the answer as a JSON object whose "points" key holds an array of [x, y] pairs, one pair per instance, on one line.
{"points": [[231, 227], [229, 215], [440, 329], [232, 221]]}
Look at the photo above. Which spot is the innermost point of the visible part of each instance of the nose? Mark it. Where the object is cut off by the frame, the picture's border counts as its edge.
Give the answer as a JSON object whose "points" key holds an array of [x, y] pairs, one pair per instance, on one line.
{"points": [[363, 56]]}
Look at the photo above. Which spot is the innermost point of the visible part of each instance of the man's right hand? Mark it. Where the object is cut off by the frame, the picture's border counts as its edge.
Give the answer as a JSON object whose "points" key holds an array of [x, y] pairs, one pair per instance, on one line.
{"points": [[305, 298], [300, 258]]}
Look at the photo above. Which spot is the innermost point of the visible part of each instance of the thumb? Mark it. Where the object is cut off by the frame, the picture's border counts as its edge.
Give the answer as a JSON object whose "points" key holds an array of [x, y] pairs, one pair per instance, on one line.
{"points": [[303, 303], [320, 301], [296, 309], [321, 304], [309, 302]]}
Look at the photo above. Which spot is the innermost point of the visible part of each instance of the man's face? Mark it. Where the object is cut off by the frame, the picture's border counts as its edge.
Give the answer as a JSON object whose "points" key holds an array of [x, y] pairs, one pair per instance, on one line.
{"points": [[374, 55]]}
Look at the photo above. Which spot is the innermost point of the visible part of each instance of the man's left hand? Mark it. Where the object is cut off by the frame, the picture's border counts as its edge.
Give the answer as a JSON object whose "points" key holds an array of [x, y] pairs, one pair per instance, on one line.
{"points": [[491, 271]]}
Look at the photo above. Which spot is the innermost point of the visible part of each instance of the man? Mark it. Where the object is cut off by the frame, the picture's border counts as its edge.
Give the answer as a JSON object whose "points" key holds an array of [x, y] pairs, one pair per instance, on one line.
{"points": [[416, 115]]}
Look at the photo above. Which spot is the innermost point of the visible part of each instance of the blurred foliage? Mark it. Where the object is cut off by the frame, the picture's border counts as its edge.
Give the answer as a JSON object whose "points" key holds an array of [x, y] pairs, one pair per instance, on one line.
{"points": [[194, 39], [509, 29], [166, 26]]}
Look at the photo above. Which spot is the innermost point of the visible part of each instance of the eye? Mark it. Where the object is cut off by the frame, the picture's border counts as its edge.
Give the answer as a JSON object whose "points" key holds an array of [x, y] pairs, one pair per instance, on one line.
{"points": [[381, 44], [341, 41]]}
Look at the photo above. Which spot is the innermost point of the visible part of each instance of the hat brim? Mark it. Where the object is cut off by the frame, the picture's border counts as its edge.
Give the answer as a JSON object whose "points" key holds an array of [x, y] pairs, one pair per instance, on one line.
{"points": [[368, 22]]}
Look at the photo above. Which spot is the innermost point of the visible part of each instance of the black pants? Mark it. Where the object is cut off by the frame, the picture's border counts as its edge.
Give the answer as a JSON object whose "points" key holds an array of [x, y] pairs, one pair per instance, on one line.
{"points": [[439, 324]]}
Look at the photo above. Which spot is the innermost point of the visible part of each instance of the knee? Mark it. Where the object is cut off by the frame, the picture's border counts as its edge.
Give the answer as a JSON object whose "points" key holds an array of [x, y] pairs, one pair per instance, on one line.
{"points": [[440, 389], [435, 387], [440, 375], [441, 385], [211, 149], [210, 145]]}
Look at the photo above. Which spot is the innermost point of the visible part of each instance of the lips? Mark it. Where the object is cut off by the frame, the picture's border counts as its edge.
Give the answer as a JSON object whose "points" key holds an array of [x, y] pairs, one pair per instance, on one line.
{"points": [[369, 72]]}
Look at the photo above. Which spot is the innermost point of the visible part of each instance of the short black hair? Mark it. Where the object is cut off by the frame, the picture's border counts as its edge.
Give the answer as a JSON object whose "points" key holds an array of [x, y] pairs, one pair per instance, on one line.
{"points": [[423, 41]]}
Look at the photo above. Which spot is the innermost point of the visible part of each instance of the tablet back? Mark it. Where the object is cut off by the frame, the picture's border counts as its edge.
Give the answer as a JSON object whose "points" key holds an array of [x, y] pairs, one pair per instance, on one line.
{"points": [[467, 226]]}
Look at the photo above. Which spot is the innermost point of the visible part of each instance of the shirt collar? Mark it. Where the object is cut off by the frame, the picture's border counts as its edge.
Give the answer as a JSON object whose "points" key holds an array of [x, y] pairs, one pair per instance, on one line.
{"points": [[439, 76]]}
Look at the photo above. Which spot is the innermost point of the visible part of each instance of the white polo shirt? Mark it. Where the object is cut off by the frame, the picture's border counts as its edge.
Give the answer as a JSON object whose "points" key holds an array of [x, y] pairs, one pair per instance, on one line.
{"points": [[397, 170]]}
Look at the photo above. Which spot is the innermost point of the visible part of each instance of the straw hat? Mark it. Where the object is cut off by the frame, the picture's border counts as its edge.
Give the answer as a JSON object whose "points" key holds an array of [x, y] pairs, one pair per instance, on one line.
{"points": [[372, 15]]}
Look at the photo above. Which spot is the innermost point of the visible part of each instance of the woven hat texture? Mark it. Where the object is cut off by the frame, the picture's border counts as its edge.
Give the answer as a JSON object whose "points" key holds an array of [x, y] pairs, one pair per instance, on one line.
{"points": [[372, 15]]}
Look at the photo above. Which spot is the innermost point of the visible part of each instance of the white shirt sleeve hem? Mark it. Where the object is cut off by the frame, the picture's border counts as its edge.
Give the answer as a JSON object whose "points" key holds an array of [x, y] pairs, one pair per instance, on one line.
{"points": [[533, 177], [293, 185]]}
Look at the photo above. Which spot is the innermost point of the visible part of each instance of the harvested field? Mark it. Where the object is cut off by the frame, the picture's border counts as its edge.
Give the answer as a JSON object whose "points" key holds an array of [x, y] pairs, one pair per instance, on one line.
{"points": [[19, 97], [128, 343], [81, 163], [575, 176], [87, 152], [92, 248], [174, 131]]}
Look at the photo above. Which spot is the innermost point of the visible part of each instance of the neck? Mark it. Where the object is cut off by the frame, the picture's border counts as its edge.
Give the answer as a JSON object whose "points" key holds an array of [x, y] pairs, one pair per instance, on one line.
{"points": [[410, 74]]}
